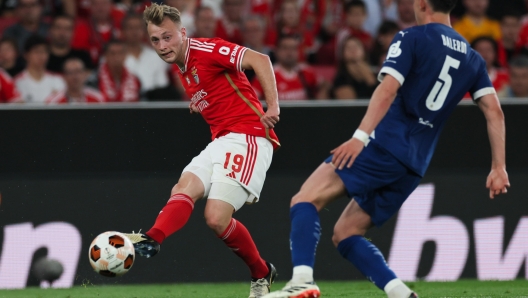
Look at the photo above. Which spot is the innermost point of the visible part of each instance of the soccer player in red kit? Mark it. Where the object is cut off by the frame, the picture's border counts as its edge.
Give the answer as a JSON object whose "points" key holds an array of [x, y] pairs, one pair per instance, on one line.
{"points": [[230, 171]]}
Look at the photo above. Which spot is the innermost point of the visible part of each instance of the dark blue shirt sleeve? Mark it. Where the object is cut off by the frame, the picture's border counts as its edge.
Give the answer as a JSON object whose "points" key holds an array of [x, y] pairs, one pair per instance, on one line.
{"points": [[483, 85], [400, 56]]}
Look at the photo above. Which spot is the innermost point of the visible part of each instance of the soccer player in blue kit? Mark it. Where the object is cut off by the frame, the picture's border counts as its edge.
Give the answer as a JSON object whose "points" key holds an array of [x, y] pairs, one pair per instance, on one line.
{"points": [[427, 71]]}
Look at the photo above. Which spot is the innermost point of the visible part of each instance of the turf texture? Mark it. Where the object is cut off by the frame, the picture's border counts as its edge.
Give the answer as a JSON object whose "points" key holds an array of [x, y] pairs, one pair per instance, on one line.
{"points": [[459, 289]]}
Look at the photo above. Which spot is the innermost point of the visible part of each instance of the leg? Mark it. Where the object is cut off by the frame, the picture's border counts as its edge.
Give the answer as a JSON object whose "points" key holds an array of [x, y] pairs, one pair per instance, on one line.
{"points": [[348, 238], [322, 187], [178, 209], [218, 216]]}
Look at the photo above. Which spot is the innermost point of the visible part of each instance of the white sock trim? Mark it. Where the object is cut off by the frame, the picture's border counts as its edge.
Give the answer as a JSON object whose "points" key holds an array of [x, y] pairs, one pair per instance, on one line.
{"points": [[392, 284]]}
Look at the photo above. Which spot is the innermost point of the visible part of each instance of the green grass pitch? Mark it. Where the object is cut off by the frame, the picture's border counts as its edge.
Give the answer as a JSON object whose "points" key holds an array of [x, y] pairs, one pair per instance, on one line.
{"points": [[464, 288]]}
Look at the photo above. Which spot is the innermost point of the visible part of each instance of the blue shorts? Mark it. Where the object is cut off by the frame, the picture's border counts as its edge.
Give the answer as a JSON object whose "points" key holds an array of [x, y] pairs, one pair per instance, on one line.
{"points": [[378, 182]]}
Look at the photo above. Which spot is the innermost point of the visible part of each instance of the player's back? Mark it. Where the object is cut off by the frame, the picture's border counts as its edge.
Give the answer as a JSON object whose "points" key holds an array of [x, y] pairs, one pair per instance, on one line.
{"points": [[436, 67]]}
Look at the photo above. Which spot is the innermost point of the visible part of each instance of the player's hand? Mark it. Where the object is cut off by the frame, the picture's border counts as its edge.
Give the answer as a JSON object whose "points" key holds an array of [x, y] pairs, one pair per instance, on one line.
{"points": [[346, 153], [271, 117], [193, 108], [497, 182]]}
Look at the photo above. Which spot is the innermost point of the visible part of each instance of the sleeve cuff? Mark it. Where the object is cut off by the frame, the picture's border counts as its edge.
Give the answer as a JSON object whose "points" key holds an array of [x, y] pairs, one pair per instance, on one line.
{"points": [[393, 72], [482, 92], [240, 58]]}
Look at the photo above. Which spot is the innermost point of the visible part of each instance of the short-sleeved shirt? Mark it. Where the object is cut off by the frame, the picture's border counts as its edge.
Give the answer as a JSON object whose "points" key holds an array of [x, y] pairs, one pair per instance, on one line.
{"points": [[470, 31], [34, 91], [435, 67], [214, 80]]}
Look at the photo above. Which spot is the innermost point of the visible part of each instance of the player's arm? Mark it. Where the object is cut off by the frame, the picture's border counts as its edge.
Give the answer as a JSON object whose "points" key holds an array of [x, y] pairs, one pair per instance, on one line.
{"points": [[497, 181], [379, 105], [261, 64]]}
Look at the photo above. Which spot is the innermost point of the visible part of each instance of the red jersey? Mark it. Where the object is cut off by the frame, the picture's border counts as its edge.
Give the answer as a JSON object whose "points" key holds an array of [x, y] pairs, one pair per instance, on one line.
{"points": [[214, 81], [89, 95], [298, 84], [126, 90], [8, 91]]}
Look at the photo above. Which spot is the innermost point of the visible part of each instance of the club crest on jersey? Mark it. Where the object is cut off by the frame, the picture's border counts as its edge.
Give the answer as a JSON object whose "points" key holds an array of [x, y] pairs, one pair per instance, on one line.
{"points": [[195, 75]]}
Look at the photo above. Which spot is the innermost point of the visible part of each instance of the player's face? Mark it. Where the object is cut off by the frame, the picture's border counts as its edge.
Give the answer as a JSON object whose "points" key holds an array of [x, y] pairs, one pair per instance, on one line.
{"points": [[167, 39]]}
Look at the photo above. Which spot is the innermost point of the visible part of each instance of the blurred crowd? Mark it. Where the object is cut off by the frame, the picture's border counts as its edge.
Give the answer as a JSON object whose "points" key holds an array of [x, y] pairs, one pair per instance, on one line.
{"points": [[96, 51]]}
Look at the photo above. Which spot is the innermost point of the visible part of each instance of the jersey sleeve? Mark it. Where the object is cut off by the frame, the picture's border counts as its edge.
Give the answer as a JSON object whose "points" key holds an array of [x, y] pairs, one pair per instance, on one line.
{"points": [[224, 54], [8, 90], [400, 56], [482, 85]]}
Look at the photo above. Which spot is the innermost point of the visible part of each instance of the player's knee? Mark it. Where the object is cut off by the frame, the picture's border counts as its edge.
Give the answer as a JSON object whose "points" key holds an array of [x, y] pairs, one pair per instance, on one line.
{"points": [[341, 233], [303, 197], [216, 222]]}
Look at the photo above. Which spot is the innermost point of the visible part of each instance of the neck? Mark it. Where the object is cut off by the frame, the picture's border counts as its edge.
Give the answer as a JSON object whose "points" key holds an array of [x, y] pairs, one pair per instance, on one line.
{"points": [[30, 26], [180, 61], [135, 49], [437, 17], [116, 73], [476, 17], [36, 73], [58, 50], [75, 93]]}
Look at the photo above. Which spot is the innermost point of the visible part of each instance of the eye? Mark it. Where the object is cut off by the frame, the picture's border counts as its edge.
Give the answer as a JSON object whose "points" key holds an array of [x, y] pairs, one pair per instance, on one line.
{"points": [[167, 38]]}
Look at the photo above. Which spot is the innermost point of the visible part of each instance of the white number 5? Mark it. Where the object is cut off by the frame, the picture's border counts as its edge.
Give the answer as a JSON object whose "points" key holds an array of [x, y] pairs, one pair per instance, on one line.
{"points": [[440, 92]]}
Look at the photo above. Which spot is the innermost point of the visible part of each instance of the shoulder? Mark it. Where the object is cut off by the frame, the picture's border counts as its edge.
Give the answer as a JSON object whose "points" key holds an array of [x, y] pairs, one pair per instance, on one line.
{"points": [[5, 77], [57, 97], [22, 76], [94, 94]]}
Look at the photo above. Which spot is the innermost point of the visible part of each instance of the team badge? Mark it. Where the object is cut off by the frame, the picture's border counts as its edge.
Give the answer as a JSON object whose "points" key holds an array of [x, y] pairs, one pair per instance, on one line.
{"points": [[187, 79], [195, 75]]}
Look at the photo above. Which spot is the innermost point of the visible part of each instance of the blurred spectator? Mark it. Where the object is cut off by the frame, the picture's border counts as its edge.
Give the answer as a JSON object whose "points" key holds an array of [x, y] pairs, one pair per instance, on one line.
{"points": [[8, 90], [75, 76], [60, 37], [354, 78], [295, 80], [518, 77], [10, 60], [355, 15], [35, 83], [103, 25], [310, 13], [253, 31], [386, 33], [228, 26], [204, 22], [131, 6], [487, 48], [29, 13], [331, 23], [510, 44], [290, 24], [187, 13], [115, 82], [7, 9], [141, 60], [475, 23], [406, 17]]}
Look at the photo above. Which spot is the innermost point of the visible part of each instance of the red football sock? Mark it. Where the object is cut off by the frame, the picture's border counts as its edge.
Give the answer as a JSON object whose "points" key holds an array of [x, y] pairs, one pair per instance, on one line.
{"points": [[238, 239], [172, 217]]}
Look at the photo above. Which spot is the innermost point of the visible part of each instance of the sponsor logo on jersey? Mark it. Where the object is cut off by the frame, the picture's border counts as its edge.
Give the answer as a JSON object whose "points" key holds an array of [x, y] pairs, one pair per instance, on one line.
{"points": [[233, 54], [194, 72], [394, 50], [198, 100], [425, 122]]}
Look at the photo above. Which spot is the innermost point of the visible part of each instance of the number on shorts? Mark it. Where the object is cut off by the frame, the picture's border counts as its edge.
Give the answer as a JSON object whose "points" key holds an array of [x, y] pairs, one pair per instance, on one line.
{"points": [[238, 161]]}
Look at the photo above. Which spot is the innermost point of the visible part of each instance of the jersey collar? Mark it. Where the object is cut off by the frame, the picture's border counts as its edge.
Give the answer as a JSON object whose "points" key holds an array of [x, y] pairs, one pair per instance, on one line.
{"points": [[186, 56]]}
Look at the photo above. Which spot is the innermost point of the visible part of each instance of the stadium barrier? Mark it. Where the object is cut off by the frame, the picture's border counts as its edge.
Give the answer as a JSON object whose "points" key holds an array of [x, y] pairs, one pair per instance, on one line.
{"points": [[70, 173]]}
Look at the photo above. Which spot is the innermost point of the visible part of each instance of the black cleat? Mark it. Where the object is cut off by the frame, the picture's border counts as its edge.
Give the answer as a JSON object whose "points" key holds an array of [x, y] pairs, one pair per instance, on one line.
{"points": [[262, 286], [144, 245]]}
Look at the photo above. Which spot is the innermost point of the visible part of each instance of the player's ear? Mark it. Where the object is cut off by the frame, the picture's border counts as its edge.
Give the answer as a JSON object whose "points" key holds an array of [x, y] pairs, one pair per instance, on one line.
{"points": [[183, 31], [423, 4]]}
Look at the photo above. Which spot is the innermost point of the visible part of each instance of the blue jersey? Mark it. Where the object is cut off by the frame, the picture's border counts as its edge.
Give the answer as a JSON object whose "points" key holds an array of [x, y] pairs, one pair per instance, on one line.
{"points": [[435, 67]]}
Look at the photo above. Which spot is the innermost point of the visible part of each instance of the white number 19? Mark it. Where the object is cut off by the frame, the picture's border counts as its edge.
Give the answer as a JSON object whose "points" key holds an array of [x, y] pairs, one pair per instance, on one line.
{"points": [[440, 92]]}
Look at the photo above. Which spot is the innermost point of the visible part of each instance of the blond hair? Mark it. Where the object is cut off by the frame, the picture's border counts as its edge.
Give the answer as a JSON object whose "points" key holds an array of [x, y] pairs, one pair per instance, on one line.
{"points": [[156, 13]]}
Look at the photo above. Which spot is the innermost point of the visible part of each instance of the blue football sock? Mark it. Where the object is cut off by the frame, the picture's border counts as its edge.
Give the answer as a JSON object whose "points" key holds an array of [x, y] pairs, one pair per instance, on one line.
{"points": [[305, 234], [367, 258]]}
